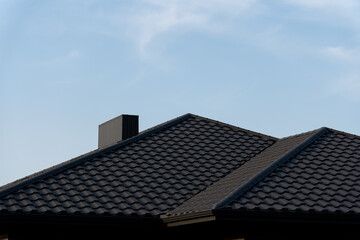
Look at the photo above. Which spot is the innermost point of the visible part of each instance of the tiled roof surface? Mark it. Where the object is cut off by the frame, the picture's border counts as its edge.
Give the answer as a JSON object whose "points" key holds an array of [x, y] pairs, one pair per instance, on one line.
{"points": [[193, 166], [324, 178], [242, 178], [147, 175]]}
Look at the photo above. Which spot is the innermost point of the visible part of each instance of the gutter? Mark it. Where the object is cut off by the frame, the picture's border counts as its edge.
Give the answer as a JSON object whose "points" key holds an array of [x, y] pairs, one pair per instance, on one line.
{"points": [[180, 219]]}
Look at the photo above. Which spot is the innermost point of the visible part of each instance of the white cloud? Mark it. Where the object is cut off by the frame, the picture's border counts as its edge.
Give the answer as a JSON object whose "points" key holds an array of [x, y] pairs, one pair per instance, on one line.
{"points": [[325, 4], [338, 12], [341, 53], [74, 54], [163, 16], [6, 7]]}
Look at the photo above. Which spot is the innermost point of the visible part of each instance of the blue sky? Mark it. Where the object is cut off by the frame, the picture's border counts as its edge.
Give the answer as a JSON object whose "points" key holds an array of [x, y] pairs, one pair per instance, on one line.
{"points": [[276, 67]]}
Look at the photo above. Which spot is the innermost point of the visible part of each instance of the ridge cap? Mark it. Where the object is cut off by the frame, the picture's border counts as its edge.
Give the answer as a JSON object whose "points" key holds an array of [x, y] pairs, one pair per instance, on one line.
{"points": [[304, 133], [314, 135]]}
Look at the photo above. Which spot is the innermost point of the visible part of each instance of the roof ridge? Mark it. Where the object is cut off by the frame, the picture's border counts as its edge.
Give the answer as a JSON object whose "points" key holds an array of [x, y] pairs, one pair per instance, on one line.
{"points": [[17, 184], [344, 133], [235, 127], [314, 135]]}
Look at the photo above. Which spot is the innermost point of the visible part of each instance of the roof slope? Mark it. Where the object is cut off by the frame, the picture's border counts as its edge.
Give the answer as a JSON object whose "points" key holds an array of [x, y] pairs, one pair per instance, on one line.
{"points": [[314, 172], [149, 174], [324, 178], [242, 178], [193, 167]]}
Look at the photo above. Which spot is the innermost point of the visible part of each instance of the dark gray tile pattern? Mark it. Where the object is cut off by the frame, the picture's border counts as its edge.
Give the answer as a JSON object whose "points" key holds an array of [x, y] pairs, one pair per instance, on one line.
{"points": [[323, 178], [239, 180], [149, 176]]}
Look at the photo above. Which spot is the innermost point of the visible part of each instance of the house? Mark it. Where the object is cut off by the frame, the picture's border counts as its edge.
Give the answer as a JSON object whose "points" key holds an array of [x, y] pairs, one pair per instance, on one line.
{"points": [[192, 178]]}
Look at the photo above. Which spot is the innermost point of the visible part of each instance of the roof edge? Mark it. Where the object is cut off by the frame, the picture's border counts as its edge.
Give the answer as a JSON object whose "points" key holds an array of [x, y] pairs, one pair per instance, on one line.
{"points": [[351, 135], [235, 127], [188, 218], [17, 184], [263, 173]]}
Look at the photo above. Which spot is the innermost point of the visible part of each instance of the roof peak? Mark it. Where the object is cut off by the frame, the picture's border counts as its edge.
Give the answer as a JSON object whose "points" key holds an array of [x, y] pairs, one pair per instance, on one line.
{"points": [[203, 168], [17, 184], [187, 147], [307, 132]]}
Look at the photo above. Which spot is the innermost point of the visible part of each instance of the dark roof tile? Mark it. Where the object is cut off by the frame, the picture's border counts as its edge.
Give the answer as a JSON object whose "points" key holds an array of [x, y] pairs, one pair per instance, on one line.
{"points": [[326, 183], [193, 164], [148, 174], [219, 194]]}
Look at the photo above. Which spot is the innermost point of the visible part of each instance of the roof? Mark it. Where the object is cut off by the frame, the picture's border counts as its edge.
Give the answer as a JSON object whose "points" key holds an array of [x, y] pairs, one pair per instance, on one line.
{"points": [[314, 173], [242, 178], [193, 167], [147, 175]]}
